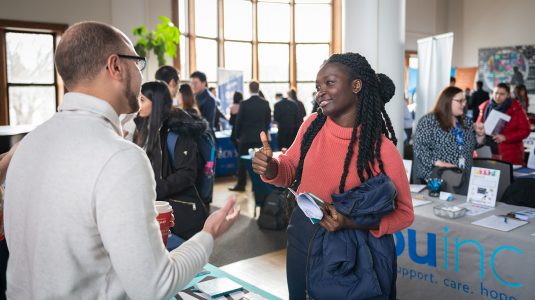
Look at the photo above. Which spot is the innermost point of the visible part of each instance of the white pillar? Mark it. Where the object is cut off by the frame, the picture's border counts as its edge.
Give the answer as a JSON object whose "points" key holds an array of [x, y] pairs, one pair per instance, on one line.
{"points": [[376, 30]]}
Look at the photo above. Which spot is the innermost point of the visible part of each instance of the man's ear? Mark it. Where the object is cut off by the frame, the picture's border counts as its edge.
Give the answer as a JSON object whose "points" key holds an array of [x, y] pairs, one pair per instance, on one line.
{"points": [[356, 86], [114, 68]]}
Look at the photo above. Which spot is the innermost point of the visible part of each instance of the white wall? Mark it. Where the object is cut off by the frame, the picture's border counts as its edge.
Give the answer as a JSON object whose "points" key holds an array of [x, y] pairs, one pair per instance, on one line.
{"points": [[495, 23], [475, 23], [56, 11], [424, 18]]}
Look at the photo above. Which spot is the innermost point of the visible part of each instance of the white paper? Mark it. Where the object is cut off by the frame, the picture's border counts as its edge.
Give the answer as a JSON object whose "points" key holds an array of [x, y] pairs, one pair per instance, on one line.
{"points": [[499, 223], [218, 286], [417, 202], [483, 186], [475, 209], [186, 296], [408, 167], [531, 159], [308, 206], [495, 122], [416, 188]]}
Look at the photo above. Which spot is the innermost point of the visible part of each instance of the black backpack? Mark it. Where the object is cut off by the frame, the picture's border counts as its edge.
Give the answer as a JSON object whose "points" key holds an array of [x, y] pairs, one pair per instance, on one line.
{"points": [[273, 215]]}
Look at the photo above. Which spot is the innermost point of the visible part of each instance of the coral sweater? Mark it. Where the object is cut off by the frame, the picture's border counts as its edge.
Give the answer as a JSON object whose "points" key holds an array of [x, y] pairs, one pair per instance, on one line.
{"points": [[324, 164]]}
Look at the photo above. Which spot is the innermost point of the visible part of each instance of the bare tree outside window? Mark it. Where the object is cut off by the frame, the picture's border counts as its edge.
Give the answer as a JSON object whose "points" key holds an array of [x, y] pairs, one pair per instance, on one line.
{"points": [[30, 77]]}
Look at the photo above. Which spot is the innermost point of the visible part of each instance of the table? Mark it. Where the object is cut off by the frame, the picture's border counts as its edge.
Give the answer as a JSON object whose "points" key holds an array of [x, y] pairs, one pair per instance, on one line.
{"points": [[523, 173], [227, 155], [10, 135], [216, 272], [452, 259]]}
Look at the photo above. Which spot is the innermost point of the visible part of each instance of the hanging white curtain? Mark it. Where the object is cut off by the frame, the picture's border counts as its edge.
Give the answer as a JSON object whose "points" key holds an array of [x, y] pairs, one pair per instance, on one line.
{"points": [[434, 69]]}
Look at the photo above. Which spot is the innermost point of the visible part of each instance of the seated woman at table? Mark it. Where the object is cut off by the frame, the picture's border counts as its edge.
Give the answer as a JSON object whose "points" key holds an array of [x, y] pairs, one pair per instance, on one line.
{"points": [[445, 137], [175, 173]]}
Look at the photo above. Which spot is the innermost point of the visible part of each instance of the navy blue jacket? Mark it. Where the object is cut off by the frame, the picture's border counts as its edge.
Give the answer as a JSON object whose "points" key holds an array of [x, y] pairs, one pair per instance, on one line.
{"points": [[353, 264]]}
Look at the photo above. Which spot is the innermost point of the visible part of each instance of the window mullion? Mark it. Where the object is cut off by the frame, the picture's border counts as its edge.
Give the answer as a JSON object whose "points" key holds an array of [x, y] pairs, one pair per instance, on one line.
{"points": [[255, 74], [293, 60], [4, 101], [191, 27], [221, 34]]}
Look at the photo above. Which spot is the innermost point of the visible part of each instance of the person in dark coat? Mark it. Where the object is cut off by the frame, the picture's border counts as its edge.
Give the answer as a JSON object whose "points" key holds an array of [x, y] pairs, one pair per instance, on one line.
{"points": [[253, 117], [155, 120], [286, 114], [292, 95], [478, 97], [205, 100]]}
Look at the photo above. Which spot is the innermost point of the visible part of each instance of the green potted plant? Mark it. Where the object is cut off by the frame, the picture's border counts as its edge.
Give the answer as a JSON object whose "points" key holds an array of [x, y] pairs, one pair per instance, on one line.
{"points": [[163, 40]]}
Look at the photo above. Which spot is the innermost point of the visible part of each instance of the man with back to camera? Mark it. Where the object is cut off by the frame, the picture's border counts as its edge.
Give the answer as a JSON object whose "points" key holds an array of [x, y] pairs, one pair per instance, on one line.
{"points": [[477, 98], [253, 117], [286, 114], [79, 212]]}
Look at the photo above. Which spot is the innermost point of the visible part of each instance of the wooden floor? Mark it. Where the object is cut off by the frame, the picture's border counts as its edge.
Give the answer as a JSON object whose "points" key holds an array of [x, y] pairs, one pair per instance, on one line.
{"points": [[268, 271]]}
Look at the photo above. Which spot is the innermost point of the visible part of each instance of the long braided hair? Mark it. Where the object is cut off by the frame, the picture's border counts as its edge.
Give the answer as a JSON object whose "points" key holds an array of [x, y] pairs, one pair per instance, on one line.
{"points": [[371, 117]]}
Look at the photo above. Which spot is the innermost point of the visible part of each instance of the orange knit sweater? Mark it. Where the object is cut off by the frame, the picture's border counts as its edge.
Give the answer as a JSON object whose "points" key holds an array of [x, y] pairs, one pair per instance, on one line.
{"points": [[324, 165]]}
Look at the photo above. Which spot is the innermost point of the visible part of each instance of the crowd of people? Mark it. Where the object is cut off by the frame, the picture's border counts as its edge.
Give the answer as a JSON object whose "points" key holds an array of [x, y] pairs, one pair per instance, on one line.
{"points": [[448, 135], [79, 211]]}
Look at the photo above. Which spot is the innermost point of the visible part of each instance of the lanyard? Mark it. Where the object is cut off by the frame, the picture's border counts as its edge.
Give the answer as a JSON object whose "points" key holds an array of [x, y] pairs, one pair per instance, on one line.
{"points": [[458, 132]]}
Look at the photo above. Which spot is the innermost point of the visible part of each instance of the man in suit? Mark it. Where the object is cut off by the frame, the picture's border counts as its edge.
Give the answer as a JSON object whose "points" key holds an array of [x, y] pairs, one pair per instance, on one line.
{"points": [[477, 98], [286, 114], [253, 117]]}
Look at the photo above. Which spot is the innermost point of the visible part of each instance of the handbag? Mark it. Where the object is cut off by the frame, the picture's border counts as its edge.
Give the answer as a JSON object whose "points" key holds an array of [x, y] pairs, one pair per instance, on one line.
{"points": [[190, 213], [188, 208]]}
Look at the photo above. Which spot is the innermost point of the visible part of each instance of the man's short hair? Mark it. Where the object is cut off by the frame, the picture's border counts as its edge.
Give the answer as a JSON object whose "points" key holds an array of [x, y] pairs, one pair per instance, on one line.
{"points": [[278, 95], [167, 73], [479, 84], [199, 75], [84, 49], [505, 86], [254, 86]]}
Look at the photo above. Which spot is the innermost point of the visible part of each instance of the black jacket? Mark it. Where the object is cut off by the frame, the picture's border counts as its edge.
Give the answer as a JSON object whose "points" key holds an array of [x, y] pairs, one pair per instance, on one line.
{"points": [[253, 117], [286, 114], [179, 182], [477, 98], [207, 106]]}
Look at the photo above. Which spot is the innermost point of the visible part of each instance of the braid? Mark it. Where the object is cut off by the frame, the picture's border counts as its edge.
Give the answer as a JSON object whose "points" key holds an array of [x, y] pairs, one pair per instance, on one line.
{"points": [[376, 91], [349, 155], [392, 133], [308, 137]]}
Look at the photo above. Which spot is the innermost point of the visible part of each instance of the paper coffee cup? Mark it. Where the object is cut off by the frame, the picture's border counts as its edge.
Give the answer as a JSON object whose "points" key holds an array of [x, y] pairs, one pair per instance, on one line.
{"points": [[164, 218]]}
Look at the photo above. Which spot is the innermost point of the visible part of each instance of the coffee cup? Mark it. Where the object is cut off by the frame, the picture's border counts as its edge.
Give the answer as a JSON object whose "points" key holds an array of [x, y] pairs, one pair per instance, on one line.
{"points": [[165, 218]]}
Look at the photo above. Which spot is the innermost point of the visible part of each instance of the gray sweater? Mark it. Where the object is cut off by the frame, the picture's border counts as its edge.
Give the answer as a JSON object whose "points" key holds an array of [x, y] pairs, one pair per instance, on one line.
{"points": [[80, 216]]}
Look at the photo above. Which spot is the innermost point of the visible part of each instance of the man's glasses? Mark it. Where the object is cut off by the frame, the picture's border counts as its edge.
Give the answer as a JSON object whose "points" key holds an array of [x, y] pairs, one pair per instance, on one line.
{"points": [[140, 61]]}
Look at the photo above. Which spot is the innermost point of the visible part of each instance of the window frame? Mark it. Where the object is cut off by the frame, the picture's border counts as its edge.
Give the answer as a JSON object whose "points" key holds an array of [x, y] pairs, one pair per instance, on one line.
{"points": [[335, 43], [56, 30]]}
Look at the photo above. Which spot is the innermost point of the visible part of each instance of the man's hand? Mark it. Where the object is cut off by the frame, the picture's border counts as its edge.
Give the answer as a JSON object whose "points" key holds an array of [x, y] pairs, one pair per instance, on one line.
{"points": [[220, 221], [262, 160], [499, 138], [479, 129]]}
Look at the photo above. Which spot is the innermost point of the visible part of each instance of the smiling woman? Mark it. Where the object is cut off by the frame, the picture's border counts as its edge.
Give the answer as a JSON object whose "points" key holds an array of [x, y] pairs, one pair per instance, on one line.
{"points": [[351, 123]]}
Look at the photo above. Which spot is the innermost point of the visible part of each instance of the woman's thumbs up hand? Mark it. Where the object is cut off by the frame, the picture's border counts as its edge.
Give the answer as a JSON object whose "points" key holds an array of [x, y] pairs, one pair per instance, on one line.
{"points": [[262, 160]]}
